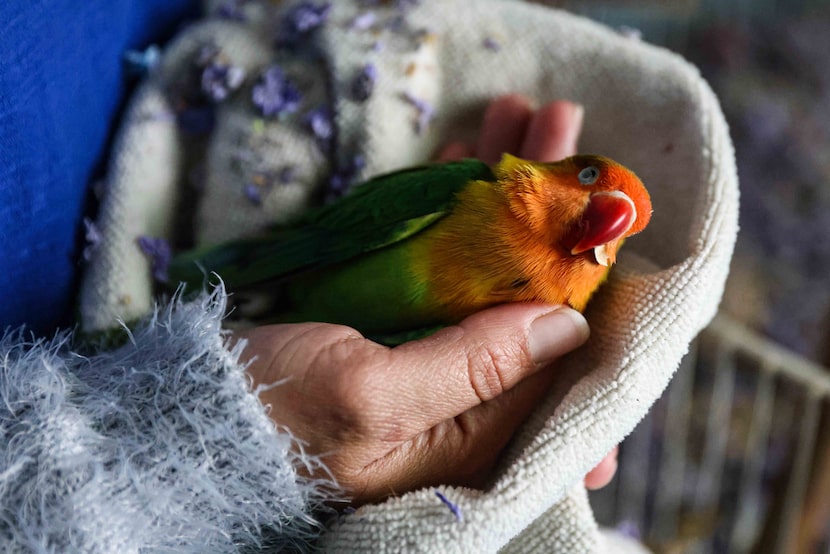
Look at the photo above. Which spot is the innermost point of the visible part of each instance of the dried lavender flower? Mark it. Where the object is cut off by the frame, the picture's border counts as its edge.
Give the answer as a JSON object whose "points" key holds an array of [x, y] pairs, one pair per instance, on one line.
{"points": [[342, 179], [491, 44], [300, 20], [159, 252], [93, 238], [425, 111], [364, 82], [232, 9], [253, 193], [456, 511], [628, 528], [363, 21], [217, 77], [275, 94], [319, 122], [219, 80]]}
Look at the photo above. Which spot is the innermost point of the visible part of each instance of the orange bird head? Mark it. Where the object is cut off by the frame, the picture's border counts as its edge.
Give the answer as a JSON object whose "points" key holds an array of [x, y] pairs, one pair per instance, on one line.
{"points": [[579, 204]]}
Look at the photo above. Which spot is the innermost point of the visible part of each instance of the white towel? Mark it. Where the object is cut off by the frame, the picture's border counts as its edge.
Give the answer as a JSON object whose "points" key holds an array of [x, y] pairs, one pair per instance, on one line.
{"points": [[644, 106]]}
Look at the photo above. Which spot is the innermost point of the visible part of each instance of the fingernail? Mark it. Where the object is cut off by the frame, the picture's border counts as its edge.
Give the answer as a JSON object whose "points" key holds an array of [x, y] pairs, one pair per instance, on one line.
{"points": [[556, 333], [577, 114]]}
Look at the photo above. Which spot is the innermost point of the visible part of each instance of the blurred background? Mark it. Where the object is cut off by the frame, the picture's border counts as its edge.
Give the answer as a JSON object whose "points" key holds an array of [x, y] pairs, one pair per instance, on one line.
{"points": [[736, 456]]}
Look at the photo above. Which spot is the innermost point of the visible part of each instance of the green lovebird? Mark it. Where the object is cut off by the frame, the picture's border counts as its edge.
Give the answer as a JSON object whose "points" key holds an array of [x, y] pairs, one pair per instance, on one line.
{"points": [[427, 246]]}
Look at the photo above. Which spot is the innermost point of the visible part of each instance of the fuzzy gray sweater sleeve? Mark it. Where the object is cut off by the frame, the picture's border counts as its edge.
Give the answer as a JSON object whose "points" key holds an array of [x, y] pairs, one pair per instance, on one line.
{"points": [[158, 446]]}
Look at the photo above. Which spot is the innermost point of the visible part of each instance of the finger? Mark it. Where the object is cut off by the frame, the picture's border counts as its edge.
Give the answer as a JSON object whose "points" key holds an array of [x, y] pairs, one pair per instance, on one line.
{"points": [[455, 151], [484, 431], [553, 132], [602, 474], [505, 123], [460, 451], [488, 353]]}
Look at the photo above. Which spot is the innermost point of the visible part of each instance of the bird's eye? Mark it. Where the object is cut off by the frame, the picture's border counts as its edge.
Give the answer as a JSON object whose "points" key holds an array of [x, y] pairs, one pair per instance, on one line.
{"points": [[589, 175]]}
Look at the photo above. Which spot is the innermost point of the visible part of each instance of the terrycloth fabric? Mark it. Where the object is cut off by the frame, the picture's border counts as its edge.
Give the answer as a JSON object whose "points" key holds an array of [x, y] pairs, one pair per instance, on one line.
{"points": [[438, 65], [158, 446]]}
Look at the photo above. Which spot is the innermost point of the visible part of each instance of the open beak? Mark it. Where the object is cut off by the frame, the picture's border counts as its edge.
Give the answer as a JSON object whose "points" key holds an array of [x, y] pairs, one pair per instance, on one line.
{"points": [[606, 220]]}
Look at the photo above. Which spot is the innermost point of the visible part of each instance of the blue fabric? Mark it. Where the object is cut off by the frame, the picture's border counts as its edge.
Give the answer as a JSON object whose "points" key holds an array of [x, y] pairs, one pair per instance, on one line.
{"points": [[61, 87]]}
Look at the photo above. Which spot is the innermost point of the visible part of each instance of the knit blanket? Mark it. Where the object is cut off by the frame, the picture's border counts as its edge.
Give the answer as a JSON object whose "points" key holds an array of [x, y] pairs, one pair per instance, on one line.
{"points": [[369, 87], [156, 446]]}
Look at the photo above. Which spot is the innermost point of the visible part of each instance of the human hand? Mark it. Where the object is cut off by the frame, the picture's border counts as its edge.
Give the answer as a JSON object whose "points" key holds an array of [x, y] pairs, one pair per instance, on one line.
{"points": [[435, 411]]}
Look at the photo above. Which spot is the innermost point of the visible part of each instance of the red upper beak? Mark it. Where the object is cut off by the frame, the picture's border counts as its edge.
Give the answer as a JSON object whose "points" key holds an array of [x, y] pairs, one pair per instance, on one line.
{"points": [[607, 218]]}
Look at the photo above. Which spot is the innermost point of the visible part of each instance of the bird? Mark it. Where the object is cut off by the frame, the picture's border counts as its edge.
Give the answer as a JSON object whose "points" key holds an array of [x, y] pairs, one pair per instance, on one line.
{"points": [[424, 247]]}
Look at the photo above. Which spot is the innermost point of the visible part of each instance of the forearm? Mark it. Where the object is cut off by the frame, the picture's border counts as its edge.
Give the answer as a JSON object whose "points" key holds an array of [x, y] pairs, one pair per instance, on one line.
{"points": [[158, 445]]}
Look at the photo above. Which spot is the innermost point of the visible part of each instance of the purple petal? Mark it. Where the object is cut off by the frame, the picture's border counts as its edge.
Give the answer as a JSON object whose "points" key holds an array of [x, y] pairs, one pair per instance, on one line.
{"points": [[358, 163], [456, 511], [364, 82], [319, 122], [628, 528], [220, 80], [159, 252], [337, 187], [232, 9], [363, 21], [93, 238], [275, 94], [342, 179], [307, 16], [253, 193], [490, 44], [425, 111], [300, 20]]}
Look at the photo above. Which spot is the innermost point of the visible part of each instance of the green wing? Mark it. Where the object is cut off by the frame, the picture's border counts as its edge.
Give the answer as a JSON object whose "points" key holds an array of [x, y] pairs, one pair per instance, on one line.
{"points": [[380, 212]]}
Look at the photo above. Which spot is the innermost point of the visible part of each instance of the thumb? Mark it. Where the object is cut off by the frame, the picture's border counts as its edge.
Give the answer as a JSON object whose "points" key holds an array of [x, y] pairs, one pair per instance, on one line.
{"points": [[482, 357], [472, 385]]}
